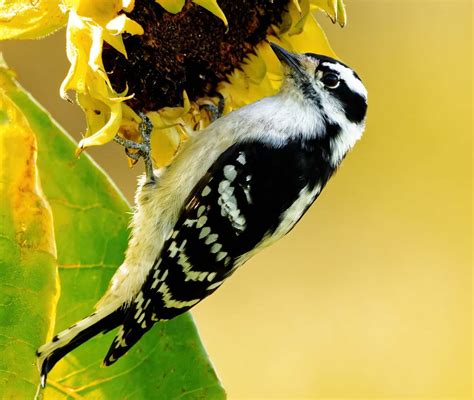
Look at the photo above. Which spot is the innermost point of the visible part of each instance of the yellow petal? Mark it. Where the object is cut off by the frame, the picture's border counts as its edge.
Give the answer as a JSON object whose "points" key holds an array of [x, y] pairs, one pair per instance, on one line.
{"points": [[27, 19], [101, 12], [328, 6], [341, 13], [164, 143], [299, 19], [127, 5], [297, 5], [129, 114], [293, 20], [95, 53], [116, 41], [169, 115], [255, 68], [172, 6], [335, 9], [122, 23], [96, 112], [107, 132], [271, 61], [213, 7], [77, 50], [311, 40]]}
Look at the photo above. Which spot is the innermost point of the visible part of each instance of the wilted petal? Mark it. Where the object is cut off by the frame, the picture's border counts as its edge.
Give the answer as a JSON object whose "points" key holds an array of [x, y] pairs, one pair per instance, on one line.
{"points": [[27, 19], [107, 132]]}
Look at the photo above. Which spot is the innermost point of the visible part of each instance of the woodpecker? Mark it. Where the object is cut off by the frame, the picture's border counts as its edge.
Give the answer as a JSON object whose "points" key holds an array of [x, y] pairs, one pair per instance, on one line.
{"points": [[238, 186]]}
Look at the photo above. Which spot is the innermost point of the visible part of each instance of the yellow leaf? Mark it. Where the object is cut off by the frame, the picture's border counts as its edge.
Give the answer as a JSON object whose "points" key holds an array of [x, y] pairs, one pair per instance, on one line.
{"points": [[29, 286], [18, 175], [27, 19], [213, 7]]}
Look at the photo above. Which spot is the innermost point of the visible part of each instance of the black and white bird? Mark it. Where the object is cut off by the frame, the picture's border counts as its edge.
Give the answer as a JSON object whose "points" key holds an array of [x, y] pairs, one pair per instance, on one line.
{"points": [[235, 188]]}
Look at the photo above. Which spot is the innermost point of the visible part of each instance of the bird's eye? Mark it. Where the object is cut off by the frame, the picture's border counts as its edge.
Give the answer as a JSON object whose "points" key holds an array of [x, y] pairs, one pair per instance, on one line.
{"points": [[330, 80]]}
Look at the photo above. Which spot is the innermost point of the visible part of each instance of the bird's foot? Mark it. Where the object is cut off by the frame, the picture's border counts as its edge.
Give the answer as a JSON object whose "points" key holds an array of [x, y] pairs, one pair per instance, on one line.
{"points": [[215, 111], [142, 149]]}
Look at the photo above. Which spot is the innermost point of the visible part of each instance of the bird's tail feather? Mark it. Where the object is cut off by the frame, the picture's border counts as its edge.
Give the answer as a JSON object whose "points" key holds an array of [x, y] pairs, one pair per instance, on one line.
{"points": [[101, 321]]}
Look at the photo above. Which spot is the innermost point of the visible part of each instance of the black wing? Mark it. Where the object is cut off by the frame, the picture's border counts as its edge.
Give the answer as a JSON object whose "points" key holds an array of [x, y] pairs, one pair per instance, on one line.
{"points": [[240, 200]]}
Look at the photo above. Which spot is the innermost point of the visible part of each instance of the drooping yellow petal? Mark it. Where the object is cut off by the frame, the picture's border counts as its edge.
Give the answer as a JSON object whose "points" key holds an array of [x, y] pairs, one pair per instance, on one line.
{"points": [[335, 9], [101, 12], [89, 25], [121, 24], [213, 7], [77, 50], [172, 6], [95, 53], [341, 13], [27, 19], [96, 112], [116, 41], [107, 132]]}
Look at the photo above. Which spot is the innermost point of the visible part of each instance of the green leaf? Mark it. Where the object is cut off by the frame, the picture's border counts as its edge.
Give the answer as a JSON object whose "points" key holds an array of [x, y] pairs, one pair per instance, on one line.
{"points": [[28, 269], [90, 219]]}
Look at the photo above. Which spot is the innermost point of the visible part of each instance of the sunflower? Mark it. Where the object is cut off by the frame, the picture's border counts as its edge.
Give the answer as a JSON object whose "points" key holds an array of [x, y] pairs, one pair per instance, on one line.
{"points": [[174, 60]]}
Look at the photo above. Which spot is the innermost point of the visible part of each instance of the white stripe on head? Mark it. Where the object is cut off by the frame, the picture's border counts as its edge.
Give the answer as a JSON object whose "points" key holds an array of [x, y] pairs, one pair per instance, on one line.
{"points": [[348, 76]]}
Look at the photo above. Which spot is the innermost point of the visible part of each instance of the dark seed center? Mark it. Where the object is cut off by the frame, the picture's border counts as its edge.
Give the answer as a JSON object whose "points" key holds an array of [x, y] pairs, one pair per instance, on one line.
{"points": [[192, 50]]}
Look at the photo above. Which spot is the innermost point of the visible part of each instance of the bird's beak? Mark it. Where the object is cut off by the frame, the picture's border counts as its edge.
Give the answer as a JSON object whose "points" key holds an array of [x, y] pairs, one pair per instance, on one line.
{"points": [[287, 58]]}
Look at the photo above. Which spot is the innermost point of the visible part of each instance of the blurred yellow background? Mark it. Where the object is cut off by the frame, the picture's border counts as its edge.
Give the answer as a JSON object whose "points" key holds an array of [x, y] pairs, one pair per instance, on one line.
{"points": [[370, 296]]}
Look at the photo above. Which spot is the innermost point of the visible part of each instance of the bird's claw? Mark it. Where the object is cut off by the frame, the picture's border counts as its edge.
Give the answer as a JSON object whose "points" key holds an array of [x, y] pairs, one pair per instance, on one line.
{"points": [[215, 111], [143, 149]]}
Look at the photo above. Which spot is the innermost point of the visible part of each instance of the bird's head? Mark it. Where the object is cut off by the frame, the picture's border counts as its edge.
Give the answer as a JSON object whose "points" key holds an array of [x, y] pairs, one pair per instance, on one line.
{"points": [[332, 86]]}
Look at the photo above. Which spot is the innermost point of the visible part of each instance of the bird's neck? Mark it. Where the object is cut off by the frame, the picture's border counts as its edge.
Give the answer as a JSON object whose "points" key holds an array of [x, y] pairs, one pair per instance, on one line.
{"points": [[287, 114]]}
